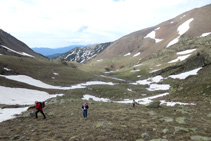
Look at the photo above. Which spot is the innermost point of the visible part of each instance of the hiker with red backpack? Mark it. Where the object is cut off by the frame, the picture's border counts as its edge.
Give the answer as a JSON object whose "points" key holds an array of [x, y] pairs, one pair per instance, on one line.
{"points": [[85, 108], [39, 106]]}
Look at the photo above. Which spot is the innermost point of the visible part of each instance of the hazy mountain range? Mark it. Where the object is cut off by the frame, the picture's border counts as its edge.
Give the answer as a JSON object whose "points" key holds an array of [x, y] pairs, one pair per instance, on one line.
{"points": [[55, 52]]}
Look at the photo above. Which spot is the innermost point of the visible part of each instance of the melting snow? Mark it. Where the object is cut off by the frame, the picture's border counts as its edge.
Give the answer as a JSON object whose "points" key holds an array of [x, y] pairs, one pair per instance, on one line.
{"points": [[137, 54], [22, 96], [154, 71], [127, 54], [134, 70], [186, 74], [156, 87], [180, 58], [20, 53], [152, 35], [181, 30], [9, 113], [147, 100], [130, 90], [7, 69], [100, 60], [87, 97], [38, 83], [148, 81], [205, 34], [138, 65], [56, 73], [186, 52]]}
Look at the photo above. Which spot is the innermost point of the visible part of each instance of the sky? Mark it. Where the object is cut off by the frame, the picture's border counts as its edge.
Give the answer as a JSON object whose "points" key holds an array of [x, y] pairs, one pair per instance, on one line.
{"points": [[61, 23]]}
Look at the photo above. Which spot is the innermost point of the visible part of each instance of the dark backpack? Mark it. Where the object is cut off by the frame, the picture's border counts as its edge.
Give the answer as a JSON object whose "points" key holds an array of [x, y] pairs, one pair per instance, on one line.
{"points": [[42, 104]]}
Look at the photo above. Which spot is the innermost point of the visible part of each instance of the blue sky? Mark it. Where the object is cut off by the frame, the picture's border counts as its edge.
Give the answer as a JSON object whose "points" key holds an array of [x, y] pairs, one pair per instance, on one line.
{"points": [[60, 23]]}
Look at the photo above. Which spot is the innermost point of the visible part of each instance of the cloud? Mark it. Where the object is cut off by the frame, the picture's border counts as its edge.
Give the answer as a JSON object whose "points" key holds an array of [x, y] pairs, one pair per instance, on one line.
{"points": [[82, 28], [95, 21]]}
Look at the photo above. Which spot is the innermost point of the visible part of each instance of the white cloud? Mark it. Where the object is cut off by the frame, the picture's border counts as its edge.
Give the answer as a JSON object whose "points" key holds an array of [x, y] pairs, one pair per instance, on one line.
{"points": [[100, 20]]}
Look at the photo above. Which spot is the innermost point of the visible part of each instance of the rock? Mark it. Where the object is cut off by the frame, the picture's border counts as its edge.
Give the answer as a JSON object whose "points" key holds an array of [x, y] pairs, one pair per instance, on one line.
{"points": [[51, 114], [154, 104], [181, 129], [30, 114], [152, 113], [183, 111], [159, 140], [209, 115], [194, 129], [124, 126], [167, 119], [15, 138], [165, 130], [144, 135], [100, 124], [182, 120], [139, 140], [197, 137]]}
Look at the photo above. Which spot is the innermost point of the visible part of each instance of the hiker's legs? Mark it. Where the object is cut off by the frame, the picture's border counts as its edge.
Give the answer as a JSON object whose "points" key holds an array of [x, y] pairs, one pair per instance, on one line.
{"points": [[36, 113], [42, 114], [86, 113]]}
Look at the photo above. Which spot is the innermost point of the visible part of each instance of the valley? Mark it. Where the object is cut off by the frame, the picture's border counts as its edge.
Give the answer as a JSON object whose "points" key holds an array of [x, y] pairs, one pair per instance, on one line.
{"points": [[165, 69]]}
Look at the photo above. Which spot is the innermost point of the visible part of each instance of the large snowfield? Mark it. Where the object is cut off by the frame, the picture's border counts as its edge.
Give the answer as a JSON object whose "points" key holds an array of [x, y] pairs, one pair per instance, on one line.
{"points": [[23, 96]]}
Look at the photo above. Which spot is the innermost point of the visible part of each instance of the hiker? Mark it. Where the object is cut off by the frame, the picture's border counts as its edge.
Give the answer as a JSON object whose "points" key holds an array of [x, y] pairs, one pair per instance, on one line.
{"points": [[134, 103], [38, 106], [85, 108]]}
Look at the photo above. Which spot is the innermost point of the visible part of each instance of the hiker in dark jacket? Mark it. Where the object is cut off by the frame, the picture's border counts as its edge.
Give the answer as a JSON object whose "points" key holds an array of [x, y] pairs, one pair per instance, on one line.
{"points": [[85, 108], [39, 109]]}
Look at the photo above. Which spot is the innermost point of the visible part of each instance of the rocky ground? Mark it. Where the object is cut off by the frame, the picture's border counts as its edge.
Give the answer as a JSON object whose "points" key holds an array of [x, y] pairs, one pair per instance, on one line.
{"points": [[110, 121]]}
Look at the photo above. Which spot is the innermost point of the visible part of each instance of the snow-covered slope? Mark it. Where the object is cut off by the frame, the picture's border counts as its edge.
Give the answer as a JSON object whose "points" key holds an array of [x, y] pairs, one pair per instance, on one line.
{"points": [[83, 54]]}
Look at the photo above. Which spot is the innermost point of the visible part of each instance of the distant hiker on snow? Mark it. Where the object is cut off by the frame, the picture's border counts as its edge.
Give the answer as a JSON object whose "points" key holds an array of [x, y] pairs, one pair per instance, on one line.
{"points": [[39, 106], [85, 108], [134, 103]]}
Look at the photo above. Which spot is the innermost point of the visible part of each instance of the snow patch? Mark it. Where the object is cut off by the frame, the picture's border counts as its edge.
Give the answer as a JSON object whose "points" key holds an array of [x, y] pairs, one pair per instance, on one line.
{"points": [[152, 35], [135, 70], [186, 52], [127, 54], [180, 58], [22, 96], [9, 113], [205, 34], [87, 97], [7, 69], [34, 82], [137, 54], [20, 53], [138, 65], [181, 30], [156, 87], [148, 100], [185, 74], [154, 71]]}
